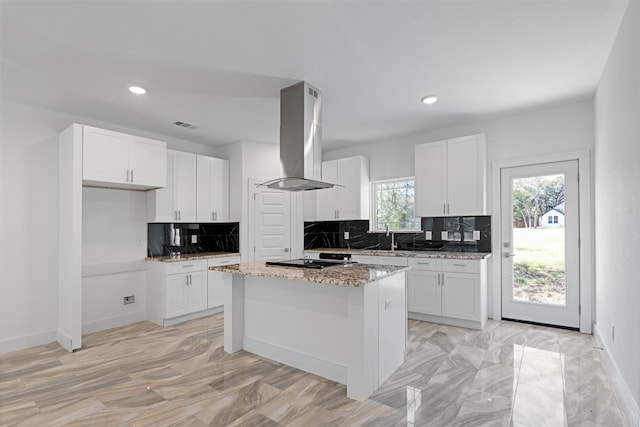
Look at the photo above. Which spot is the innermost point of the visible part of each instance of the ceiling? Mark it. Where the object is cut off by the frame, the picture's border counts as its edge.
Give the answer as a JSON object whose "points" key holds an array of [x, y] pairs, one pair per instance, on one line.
{"points": [[221, 64]]}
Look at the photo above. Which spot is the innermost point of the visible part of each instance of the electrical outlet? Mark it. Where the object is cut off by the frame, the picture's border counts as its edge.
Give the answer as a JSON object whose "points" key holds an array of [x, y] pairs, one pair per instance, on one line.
{"points": [[613, 333], [129, 299], [194, 238], [427, 235], [346, 235], [444, 235], [476, 234]]}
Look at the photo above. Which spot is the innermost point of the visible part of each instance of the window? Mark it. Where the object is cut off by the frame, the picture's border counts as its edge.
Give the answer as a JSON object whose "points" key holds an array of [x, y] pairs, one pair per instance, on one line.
{"points": [[555, 219], [550, 219], [394, 205]]}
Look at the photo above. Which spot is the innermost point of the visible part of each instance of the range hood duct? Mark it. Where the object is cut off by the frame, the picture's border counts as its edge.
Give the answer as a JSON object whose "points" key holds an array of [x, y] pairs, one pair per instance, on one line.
{"points": [[300, 140]]}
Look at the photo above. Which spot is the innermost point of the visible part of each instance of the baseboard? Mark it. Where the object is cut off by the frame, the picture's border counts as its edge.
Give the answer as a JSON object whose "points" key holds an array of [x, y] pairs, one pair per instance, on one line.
{"points": [[446, 320], [20, 343], [113, 322], [305, 362], [629, 405], [192, 316]]}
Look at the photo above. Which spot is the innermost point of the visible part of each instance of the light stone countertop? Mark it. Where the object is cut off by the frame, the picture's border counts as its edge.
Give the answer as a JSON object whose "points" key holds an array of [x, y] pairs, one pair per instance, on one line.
{"points": [[191, 257], [407, 254], [352, 275]]}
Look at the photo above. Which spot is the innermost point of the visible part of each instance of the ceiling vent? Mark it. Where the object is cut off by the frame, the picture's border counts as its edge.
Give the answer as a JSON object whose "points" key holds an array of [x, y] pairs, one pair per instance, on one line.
{"points": [[186, 125]]}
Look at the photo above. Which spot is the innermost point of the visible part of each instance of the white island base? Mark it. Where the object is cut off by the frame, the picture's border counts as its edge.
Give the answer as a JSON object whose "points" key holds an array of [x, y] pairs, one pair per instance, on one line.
{"points": [[352, 335]]}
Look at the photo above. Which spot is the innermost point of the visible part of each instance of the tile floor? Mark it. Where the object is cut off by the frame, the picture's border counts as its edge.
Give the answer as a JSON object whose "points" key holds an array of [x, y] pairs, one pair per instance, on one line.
{"points": [[508, 374]]}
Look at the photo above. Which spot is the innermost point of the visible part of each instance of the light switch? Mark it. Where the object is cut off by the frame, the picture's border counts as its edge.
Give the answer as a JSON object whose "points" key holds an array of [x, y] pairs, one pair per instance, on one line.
{"points": [[444, 235], [476, 234], [427, 235]]}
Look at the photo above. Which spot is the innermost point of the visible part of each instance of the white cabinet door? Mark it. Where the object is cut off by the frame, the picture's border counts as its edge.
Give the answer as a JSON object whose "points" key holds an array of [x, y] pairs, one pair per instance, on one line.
{"points": [[466, 176], [424, 292], [184, 185], [430, 176], [461, 296], [212, 189], [105, 156], [327, 199], [160, 206], [392, 323], [147, 161], [197, 292], [177, 302], [350, 172]]}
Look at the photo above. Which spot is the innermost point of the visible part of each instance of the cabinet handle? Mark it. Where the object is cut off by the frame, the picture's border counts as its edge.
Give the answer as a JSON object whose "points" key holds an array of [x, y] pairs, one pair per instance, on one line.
{"points": [[132, 176], [438, 279], [186, 278], [179, 215], [424, 263], [444, 208], [215, 216], [459, 265], [187, 266], [175, 215], [211, 216]]}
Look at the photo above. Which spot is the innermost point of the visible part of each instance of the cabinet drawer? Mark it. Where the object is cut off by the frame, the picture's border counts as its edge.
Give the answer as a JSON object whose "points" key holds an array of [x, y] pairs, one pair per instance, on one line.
{"points": [[186, 266], [214, 262], [460, 266], [425, 264]]}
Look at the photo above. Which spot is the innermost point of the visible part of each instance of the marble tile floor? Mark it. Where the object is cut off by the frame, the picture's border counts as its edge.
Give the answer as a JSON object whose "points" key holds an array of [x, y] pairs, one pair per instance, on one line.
{"points": [[508, 374]]}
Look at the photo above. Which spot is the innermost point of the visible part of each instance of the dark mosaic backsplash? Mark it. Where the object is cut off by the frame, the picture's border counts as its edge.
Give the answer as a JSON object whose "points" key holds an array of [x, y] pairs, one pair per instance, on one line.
{"points": [[162, 239], [330, 234]]}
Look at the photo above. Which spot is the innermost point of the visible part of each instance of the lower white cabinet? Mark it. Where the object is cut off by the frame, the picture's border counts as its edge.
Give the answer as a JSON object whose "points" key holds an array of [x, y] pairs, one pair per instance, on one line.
{"points": [[181, 290], [448, 291], [216, 280]]}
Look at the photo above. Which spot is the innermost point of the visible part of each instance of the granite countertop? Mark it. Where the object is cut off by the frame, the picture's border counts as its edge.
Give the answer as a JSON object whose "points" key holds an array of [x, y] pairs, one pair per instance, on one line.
{"points": [[190, 257], [352, 275], [407, 254]]}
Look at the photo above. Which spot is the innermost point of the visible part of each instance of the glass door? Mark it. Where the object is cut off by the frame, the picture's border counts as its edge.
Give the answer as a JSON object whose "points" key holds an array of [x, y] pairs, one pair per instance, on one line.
{"points": [[540, 252]]}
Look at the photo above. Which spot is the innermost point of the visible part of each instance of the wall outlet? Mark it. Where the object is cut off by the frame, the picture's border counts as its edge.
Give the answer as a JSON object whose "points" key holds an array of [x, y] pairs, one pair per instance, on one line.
{"points": [[613, 333], [476, 234], [194, 238], [444, 235], [346, 235], [129, 299], [427, 235]]}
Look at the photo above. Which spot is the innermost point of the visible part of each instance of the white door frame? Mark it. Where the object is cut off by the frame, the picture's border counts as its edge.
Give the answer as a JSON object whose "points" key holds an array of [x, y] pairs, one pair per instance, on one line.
{"points": [[585, 236]]}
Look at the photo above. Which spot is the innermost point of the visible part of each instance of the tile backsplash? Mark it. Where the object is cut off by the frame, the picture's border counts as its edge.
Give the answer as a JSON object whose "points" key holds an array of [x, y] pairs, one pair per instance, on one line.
{"points": [[162, 238], [331, 234]]}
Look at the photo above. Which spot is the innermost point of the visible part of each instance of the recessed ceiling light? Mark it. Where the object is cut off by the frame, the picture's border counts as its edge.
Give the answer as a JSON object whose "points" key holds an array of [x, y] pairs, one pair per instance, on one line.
{"points": [[430, 99], [137, 90]]}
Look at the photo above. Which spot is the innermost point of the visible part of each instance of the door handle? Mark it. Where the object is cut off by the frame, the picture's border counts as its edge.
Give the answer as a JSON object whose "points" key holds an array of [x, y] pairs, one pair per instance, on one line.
{"points": [[508, 254]]}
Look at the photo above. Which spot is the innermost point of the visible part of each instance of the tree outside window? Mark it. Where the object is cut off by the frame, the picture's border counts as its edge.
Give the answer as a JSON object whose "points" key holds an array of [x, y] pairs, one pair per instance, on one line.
{"points": [[394, 205]]}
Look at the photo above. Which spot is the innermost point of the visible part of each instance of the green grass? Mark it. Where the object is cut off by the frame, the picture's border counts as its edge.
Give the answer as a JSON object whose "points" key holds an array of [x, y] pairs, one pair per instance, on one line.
{"points": [[539, 267]]}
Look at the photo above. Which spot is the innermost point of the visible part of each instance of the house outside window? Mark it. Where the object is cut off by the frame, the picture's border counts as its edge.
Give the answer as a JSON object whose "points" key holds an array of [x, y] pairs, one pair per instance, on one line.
{"points": [[393, 204]]}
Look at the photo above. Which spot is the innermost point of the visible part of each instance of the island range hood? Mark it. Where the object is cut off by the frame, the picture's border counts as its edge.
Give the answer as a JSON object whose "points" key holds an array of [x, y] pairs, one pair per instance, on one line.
{"points": [[300, 140]]}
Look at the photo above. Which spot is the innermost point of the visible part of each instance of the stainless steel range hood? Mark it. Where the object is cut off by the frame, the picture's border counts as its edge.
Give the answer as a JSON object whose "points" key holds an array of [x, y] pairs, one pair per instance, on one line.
{"points": [[300, 140]]}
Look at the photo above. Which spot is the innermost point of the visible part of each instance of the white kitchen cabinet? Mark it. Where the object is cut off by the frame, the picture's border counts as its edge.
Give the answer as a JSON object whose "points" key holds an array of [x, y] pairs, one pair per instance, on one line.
{"points": [[448, 291], [216, 280], [117, 160], [451, 177], [177, 201], [176, 289], [212, 189], [350, 200]]}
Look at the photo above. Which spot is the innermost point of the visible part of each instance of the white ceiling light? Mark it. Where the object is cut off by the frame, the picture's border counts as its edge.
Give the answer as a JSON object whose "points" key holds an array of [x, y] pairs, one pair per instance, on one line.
{"points": [[137, 90], [430, 99]]}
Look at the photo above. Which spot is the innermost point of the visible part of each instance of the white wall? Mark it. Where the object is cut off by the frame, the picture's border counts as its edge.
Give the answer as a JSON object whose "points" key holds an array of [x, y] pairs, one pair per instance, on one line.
{"points": [[617, 192], [29, 232]]}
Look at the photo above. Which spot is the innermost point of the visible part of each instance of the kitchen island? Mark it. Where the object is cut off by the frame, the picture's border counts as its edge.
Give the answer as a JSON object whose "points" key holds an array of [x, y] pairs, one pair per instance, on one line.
{"points": [[346, 323]]}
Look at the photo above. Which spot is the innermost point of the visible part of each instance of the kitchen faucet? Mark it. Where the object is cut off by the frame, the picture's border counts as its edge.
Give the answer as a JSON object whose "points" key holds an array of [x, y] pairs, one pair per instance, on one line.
{"points": [[394, 245]]}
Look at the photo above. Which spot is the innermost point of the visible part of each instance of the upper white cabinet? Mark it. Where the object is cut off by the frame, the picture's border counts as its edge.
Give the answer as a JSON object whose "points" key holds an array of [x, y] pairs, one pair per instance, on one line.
{"points": [[451, 177], [177, 201], [117, 160], [351, 200], [212, 189]]}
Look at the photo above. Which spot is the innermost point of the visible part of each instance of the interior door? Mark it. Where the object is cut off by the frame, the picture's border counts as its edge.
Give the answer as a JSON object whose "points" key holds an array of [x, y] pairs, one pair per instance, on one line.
{"points": [[272, 224], [540, 260]]}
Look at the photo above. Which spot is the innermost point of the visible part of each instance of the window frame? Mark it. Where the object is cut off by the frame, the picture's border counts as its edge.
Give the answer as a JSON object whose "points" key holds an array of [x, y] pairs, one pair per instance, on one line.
{"points": [[372, 208]]}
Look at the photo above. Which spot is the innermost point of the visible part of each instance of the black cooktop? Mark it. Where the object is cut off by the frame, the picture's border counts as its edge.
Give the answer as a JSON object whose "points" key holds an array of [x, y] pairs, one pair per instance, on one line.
{"points": [[306, 263]]}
